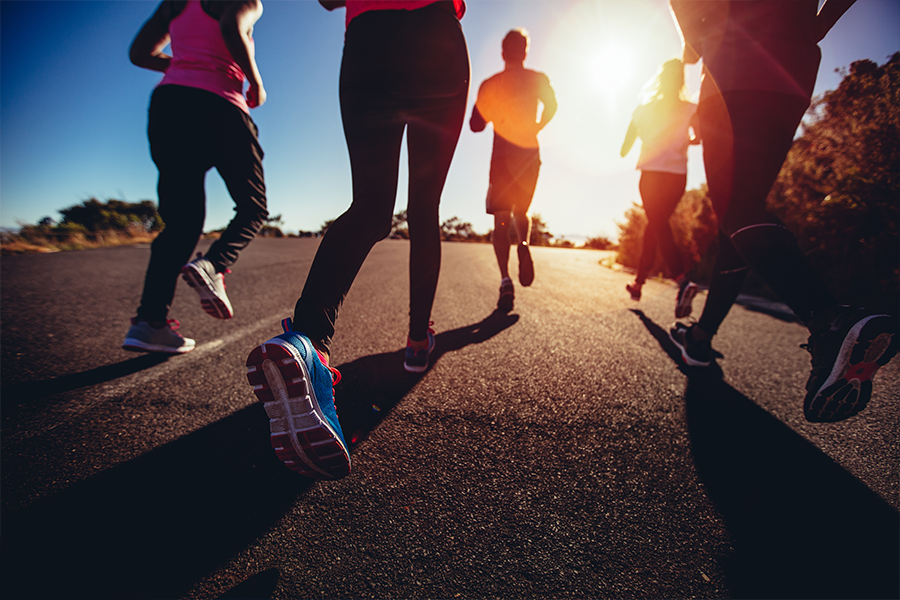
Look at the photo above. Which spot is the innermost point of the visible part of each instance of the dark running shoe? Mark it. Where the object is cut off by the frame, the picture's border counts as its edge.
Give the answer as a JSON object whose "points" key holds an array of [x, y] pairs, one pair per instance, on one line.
{"points": [[635, 290], [526, 266], [507, 295], [686, 292], [694, 354], [845, 358], [417, 360], [295, 385], [201, 275]]}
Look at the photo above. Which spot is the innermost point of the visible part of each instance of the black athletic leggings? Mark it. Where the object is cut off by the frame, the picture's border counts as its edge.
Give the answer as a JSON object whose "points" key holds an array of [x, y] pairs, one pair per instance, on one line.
{"points": [[746, 137], [660, 194], [191, 131], [401, 70]]}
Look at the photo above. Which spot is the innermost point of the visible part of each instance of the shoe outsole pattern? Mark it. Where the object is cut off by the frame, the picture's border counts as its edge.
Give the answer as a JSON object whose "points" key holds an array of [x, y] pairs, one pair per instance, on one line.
{"points": [[869, 345], [300, 435], [212, 304], [683, 307]]}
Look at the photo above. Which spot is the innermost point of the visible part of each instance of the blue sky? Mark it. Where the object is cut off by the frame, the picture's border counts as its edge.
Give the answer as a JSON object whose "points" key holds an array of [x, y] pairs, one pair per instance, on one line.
{"points": [[73, 109]]}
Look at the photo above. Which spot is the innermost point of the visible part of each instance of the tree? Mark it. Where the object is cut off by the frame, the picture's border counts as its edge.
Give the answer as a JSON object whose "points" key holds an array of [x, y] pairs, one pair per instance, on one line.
{"points": [[631, 236], [399, 226], [454, 230], [838, 190], [599, 243], [540, 235], [272, 227], [325, 226], [112, 215]]}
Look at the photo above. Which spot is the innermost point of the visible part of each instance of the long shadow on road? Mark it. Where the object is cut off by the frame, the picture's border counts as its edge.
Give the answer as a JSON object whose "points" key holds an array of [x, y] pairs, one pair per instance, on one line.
{"points": [[372, 385], [16, 395], [154, 526], [802, 526]]}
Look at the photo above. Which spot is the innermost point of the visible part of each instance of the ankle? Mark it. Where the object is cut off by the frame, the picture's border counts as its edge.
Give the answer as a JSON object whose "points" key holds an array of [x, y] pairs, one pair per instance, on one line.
{"points": [[323, 351], [154, 323], [417, 345], [698, 335]]}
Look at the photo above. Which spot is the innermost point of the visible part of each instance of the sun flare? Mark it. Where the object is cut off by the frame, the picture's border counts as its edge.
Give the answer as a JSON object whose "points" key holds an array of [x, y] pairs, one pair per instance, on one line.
{"points": [[612, 67]]}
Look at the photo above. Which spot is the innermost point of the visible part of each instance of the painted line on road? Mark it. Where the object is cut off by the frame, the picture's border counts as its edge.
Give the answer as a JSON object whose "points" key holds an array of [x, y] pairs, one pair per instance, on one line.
{"points": [[177, 362], [142, 379]]}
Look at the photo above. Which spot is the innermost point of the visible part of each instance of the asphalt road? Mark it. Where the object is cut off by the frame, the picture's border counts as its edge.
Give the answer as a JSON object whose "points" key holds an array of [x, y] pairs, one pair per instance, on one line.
{"points": [[558, 451]]}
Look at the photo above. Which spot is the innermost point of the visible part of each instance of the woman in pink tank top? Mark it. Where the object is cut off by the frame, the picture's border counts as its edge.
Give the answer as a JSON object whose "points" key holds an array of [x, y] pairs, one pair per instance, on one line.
{"points": [[199, 119]]}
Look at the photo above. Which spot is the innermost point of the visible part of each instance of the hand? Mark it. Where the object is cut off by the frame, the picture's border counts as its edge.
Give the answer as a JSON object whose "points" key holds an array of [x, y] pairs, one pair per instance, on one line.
{"points": [[256, 95]]}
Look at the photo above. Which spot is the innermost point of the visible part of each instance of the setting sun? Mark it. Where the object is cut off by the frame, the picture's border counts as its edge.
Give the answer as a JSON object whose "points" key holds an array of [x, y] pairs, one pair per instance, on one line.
{"points": [[612, 68]]}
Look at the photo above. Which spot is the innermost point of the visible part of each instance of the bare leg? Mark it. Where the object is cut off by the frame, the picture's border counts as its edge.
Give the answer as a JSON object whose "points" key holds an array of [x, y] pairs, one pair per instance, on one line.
{"points": [[500, 239]]}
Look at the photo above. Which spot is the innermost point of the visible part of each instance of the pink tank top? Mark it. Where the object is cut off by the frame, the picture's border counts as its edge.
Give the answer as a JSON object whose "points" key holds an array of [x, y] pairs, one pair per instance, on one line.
{"points": [[200, 58], [357, 7]]}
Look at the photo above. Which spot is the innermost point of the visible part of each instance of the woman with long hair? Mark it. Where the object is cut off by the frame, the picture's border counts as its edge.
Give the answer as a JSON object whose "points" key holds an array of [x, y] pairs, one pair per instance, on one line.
{"points": [[663, 123]]}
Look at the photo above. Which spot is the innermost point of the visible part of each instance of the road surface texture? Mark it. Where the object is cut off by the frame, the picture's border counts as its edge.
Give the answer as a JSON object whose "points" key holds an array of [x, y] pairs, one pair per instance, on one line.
{"points": [[558, 451]]}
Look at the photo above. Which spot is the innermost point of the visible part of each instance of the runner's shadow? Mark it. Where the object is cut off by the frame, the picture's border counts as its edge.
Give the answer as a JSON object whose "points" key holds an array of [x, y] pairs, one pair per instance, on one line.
{"points": [[154, 526], [15, 394], [372, 385], [802, 526], [665, 342]]}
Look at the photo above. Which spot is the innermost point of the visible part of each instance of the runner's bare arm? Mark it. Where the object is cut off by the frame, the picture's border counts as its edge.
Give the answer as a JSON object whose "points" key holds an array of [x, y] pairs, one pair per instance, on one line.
{"points": [[548, 99], [630, 137], [147, 48], [236, 25]]}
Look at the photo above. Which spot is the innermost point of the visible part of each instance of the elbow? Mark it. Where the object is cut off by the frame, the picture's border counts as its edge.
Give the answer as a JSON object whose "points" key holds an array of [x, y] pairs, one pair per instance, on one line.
{"points": [[135, 56]]}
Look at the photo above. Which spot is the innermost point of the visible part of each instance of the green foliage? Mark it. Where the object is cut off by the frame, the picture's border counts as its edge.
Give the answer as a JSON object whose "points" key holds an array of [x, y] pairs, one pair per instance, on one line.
{"points": [[113, 215], [454, 230], [399, 226], [599, 243], [540, 233], [631, 236], [839, 189], [272, 227]]}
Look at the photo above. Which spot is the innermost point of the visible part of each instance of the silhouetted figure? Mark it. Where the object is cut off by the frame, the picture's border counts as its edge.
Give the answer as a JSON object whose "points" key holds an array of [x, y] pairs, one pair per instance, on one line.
{"points": [[199, 119], [760, 63], [510, 101], [405, 69], [663, 123]]}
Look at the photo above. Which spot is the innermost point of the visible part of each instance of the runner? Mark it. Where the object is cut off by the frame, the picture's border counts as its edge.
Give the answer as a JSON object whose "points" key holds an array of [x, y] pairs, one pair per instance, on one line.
{"points": [[510, 101], [199, 119], [405, 68], [760, 64], [663, 123]]}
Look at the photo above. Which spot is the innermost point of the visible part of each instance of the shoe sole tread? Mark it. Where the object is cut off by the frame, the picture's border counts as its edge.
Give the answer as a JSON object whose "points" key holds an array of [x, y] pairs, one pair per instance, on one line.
{"points": [[213, 304], [870, 344], [300, 434]]}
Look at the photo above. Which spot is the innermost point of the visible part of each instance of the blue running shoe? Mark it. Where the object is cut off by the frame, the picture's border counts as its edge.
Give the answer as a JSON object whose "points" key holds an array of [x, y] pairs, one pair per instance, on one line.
{"points": [[417, 360], [295, 384]]}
